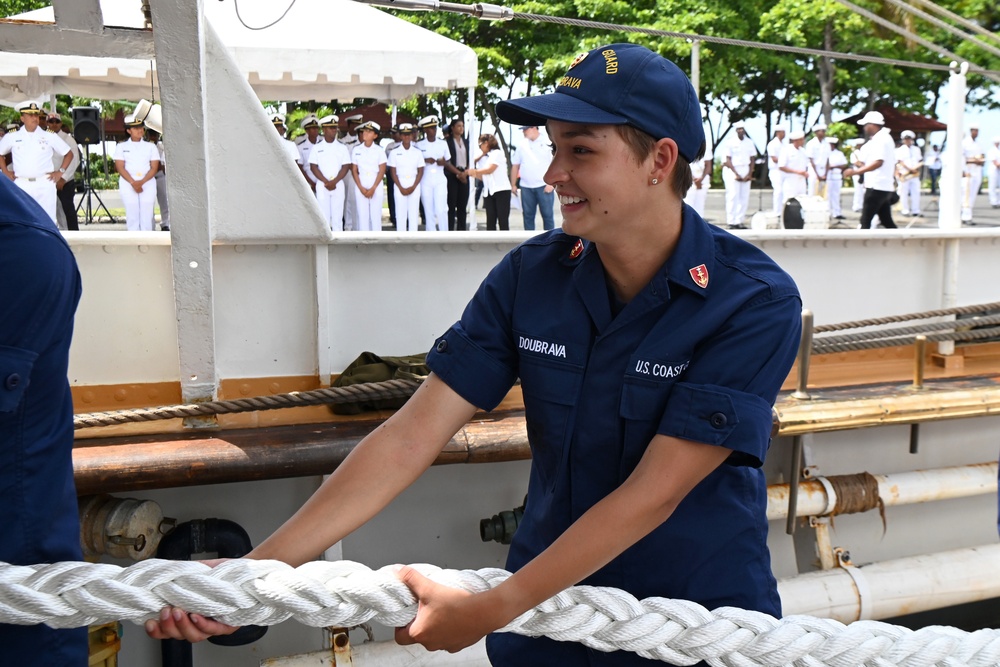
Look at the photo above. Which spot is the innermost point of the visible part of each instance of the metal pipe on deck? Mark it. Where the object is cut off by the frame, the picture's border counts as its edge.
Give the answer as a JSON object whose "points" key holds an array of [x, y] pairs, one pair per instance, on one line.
{"points": [[844, 494], [107, 465], [896, 587]]}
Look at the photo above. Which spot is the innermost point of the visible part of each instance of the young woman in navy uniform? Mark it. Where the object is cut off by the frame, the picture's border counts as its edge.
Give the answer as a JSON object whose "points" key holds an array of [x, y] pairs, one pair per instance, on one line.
{"points": [[650, 347], [137, 162]]}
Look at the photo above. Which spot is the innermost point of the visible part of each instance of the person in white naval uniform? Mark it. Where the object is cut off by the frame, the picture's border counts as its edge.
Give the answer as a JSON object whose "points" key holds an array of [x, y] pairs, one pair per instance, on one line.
{"points": [[909, 161], [137, 162], [287, 145], [32, 149], [330, 164], [350, 140], [311, 126], [154, 137], [993, 172], [835, 178], [857, 203], [737, 171], [406, 170], [66, 215], [368, 160], [434, 186], [818, 151], [773, 172], [794, 165], [975, 158], [701, 175]]}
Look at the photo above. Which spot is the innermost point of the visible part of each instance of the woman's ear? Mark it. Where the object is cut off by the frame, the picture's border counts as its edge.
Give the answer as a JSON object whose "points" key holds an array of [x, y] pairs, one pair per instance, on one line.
{"points": [[664, 160]]}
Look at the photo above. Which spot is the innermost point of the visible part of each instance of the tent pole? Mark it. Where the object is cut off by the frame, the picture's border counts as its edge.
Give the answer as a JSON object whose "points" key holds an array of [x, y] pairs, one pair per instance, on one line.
{"points": [[470, 116]]}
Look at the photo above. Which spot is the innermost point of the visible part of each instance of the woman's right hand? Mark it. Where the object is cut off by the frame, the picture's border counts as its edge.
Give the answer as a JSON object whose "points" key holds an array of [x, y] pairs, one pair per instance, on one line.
{"points": [[175, 623]]}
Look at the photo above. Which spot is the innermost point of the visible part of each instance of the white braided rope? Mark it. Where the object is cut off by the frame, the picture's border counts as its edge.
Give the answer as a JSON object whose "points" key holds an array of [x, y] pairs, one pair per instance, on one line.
{"points": [[319, 594]]}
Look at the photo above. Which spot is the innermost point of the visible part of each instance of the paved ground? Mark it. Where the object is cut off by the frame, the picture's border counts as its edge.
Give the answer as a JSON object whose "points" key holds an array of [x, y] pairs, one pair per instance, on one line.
{"points": [[715, 211]]}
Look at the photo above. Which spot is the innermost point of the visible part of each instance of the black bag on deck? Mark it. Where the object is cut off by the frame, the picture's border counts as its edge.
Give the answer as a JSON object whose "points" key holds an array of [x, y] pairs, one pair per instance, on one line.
{"points": [[369, 367]]}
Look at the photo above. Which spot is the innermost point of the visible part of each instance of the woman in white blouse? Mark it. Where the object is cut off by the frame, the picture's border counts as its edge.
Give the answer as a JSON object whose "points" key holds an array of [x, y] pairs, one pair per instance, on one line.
{"points": [[491, 167]]}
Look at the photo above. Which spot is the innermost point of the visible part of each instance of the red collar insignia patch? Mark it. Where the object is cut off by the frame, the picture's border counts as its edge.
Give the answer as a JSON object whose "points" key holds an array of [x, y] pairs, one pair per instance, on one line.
{"points": [[699, 275], [578, 250]]}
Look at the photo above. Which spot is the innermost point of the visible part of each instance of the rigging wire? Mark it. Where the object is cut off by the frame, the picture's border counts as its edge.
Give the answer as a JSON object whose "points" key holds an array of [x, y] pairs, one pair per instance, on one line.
{"points": [[995, 76], [236, 4], [933, 20], [494, 12], [961, 20]]}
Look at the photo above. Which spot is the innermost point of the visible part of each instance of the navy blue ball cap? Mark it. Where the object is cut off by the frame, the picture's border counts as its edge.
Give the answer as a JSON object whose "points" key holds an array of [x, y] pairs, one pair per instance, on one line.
{"points": [[619, 84]]}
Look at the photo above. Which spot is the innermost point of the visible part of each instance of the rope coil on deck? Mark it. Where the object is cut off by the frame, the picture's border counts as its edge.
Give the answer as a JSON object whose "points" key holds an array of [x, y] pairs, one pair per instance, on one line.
{"points": [[320, 594]]}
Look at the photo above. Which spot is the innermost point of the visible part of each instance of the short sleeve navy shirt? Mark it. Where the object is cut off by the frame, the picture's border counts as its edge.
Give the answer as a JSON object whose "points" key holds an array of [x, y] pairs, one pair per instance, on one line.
{"points": [[39, 292], [700, 354]]}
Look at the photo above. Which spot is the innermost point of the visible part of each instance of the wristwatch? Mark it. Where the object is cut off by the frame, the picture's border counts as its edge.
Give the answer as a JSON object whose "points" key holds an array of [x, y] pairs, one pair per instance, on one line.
{"points": [[62, 170]]}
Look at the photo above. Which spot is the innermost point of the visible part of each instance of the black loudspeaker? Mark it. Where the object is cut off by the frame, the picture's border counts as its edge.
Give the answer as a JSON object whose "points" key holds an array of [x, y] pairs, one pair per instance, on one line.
{"points": [[792, 217], [86, 125]]}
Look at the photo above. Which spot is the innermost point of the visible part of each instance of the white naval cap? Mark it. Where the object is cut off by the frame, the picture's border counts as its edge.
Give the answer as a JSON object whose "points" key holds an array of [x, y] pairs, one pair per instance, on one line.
{"points": [[739, 124], [405, 128], [832, 140], [996, 139], [780, 128], [329, 121], [796, 135], [132, 121], [310, 121], [370, 125], [29, 107], [278, 119], [428, 121], [872, 118], [907, 134], [819, 127], [355, 119]]}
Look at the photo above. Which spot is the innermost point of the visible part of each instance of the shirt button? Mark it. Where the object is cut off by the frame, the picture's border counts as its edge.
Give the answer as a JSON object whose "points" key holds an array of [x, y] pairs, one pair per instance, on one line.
{"points": [[441, 346], [12, 381], [718, 420]]}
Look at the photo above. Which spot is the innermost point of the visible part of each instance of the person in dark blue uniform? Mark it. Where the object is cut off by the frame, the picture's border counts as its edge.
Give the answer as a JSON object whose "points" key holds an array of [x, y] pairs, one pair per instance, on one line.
{"points": [[39, 522], [650, 348]]}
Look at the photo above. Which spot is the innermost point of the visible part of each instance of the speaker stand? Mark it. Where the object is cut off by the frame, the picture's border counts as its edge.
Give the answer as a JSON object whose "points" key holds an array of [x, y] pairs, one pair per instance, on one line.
{"points": [[86, 205]]}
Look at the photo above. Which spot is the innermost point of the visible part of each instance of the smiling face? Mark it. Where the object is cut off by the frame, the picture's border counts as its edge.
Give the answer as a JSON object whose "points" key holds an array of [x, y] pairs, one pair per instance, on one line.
{"points": [[601, 185], [136, 133]]}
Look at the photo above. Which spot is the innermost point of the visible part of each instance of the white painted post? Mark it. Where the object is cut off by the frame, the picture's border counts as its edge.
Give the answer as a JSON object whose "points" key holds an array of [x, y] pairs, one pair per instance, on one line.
{"points": [[950, 201], [321, 253], [470, 217], [179, 38]]}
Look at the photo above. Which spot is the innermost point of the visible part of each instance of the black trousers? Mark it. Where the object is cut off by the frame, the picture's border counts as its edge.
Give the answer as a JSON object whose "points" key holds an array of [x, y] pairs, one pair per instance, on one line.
{"points": [[65, 197], [390, 194], [458, 203], [877, 202], [498, 210]]}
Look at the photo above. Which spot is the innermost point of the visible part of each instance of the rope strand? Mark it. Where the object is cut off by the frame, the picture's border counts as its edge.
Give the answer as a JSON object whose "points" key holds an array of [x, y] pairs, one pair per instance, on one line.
{"points": [[321, 594]]}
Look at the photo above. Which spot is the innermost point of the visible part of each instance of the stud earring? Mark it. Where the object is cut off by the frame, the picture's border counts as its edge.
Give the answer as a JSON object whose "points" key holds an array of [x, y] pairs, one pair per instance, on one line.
{"points": [[655, 181]]}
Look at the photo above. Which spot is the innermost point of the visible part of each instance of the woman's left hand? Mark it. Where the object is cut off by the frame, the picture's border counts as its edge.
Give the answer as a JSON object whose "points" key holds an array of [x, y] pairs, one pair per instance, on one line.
{"points": [[448, 619]]}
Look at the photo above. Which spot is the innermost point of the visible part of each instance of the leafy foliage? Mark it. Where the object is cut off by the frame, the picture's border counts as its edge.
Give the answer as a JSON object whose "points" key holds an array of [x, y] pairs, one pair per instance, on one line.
{"points": [[523, 57]]}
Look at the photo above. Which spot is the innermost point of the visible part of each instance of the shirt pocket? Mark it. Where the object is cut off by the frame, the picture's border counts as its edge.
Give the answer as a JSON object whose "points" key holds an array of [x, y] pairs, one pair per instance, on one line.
{"points": [[641, 410], [550, 391], [15, 372]]}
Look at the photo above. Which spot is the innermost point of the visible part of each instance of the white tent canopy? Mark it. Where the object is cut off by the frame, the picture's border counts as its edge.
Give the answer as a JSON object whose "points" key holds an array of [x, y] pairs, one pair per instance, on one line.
{"points": [[321, 50]]}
